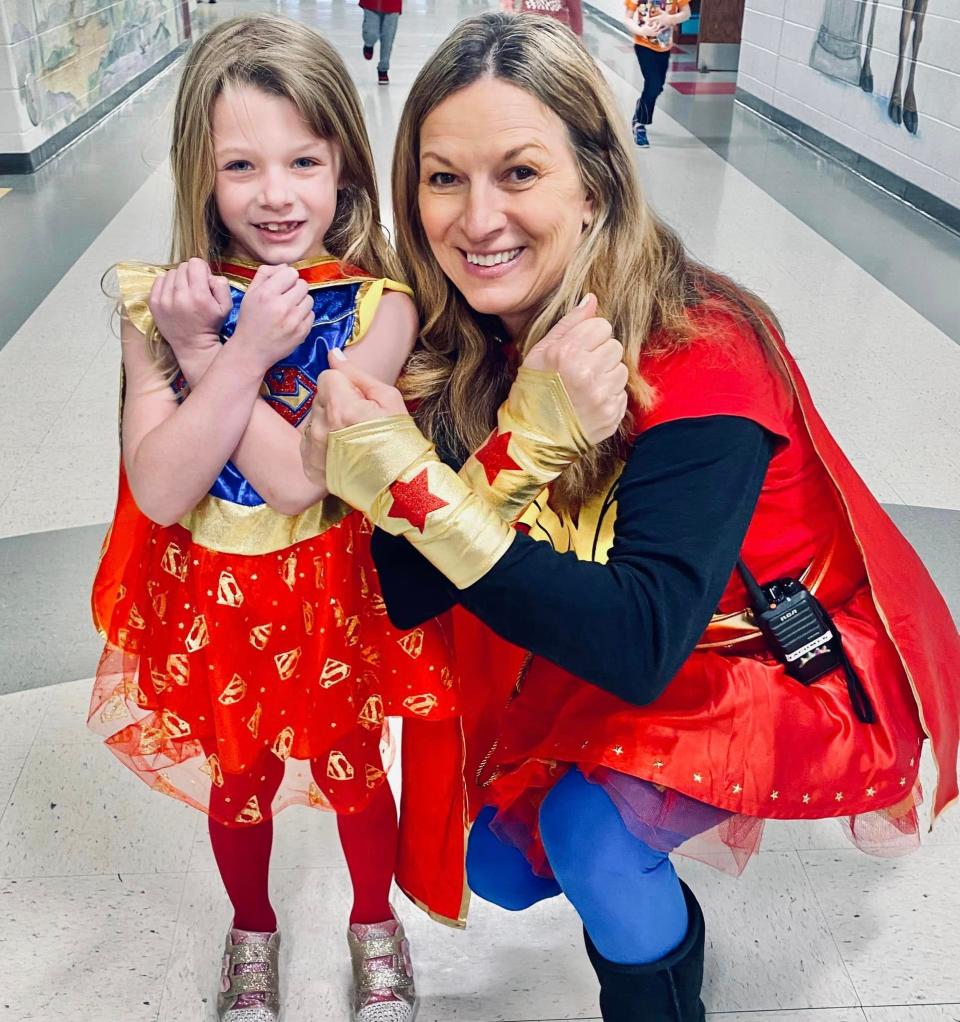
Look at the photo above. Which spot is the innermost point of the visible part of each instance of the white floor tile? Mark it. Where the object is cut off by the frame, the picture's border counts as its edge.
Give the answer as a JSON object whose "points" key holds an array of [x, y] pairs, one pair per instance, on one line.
{"points": [[12, 758], [65, 720], [768, 944], [914, 1013], [813, 1015], [21, 713], [76, 810], [96, 948], [36, 503], [894, 922]]}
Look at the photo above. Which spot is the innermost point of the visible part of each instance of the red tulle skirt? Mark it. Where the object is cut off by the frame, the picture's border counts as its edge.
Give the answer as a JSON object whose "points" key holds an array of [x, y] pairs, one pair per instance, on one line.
{"points": [[732, 742], [218, 666]]}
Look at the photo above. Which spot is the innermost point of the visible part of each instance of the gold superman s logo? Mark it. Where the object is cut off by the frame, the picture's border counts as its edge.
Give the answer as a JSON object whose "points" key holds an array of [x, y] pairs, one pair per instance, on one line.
{"points": [[371, 715], [199, 634], [287, 662], [260, 635], [339, 768], [421, 705], [174, 562], [333, 672], [228, 591], [283, 744], [250, 813], [235, 690]]}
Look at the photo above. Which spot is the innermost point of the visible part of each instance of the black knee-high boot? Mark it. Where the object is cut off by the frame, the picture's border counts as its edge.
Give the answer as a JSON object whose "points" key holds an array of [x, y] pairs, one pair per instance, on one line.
{"points": [[667, 990]]}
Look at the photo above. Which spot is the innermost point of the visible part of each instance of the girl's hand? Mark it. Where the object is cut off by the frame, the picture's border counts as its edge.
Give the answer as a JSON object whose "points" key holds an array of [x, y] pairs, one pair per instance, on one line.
{"points": [[346, 396], [189, 305], [581, 348], [275, 317], [660, 22]]}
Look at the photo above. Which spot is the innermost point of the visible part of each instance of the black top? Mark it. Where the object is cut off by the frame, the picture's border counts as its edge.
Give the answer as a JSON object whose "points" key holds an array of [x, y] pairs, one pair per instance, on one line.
{"points": [[684, 503]]}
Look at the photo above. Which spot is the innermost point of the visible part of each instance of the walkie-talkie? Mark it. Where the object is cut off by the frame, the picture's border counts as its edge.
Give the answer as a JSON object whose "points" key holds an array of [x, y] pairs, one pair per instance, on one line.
{"points": [[801, 635]]}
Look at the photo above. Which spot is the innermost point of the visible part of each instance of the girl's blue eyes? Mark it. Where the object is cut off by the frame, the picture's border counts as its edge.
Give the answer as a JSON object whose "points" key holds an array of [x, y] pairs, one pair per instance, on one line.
{"points": [[303, 163]]}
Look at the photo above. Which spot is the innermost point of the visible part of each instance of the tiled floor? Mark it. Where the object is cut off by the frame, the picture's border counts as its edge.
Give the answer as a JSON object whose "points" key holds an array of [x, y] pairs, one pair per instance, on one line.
{"points": [[110, 906]]}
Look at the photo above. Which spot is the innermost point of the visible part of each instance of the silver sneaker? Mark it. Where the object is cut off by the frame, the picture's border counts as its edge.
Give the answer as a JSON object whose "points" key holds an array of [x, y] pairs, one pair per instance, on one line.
{"points": [[383, 986], [250, 978]]}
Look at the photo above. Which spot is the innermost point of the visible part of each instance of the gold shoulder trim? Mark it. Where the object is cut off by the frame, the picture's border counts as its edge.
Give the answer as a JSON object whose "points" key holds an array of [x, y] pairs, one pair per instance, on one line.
{"points": [[368, 301], [135, 281]]}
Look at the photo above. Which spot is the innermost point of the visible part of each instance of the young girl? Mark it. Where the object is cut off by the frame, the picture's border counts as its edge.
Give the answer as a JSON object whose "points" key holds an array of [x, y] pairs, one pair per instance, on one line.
{"points": [[249, 663], [652, 25]]}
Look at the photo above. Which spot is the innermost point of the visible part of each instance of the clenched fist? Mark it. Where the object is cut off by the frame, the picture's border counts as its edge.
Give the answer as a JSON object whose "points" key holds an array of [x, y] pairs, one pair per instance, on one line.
{"points": [[275, 317], [189, 305], [581, 348], [346, 396]]}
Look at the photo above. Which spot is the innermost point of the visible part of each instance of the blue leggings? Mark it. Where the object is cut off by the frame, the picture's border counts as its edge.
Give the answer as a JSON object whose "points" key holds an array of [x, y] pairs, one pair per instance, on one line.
{"points": [[627, 893]]}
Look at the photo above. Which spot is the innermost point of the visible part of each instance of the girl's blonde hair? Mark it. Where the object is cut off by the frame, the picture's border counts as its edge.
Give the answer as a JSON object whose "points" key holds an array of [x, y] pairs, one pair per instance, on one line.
{"points": [[636, 266], [284, 58]]}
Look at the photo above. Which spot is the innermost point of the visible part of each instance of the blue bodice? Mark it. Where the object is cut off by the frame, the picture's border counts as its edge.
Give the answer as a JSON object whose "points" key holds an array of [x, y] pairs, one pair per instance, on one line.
{"points": [[290, 385]]}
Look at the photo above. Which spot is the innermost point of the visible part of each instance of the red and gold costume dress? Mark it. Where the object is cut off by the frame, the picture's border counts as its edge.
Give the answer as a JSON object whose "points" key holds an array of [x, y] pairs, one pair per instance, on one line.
{"points": [[732, 740], [240, 632]]}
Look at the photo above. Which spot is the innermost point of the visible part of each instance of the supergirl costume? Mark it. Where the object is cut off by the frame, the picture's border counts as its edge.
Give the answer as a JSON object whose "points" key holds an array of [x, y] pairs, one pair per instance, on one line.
{"points": [[240, 631], [647, 714]]}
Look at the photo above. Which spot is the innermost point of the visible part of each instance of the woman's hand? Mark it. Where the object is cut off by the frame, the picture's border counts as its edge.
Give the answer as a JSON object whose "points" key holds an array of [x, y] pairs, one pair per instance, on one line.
{"points": [[346, 396], [581, 348], [189, 305], [275, 317]]}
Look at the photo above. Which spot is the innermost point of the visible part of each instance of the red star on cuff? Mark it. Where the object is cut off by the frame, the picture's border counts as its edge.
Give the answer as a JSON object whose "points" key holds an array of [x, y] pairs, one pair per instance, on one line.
{"points": [[495, 456], [413, 501]]}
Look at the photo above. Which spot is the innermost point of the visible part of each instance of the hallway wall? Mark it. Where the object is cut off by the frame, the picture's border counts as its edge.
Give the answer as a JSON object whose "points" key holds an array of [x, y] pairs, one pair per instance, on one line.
{"points": [[59, 60], [808, 61]]}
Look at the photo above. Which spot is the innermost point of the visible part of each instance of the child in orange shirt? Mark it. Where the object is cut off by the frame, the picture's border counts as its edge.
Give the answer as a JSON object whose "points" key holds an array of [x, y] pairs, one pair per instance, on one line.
{"points": [[652, 25]]}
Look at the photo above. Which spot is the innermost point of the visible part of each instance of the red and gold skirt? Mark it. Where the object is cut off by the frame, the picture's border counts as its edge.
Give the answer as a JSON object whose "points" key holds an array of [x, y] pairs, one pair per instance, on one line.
{"points": [[219, 665]]}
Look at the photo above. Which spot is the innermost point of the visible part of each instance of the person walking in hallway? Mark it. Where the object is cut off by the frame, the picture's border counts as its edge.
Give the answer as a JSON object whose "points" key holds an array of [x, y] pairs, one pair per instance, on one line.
{"points": [[652, 25], [380, 20]]}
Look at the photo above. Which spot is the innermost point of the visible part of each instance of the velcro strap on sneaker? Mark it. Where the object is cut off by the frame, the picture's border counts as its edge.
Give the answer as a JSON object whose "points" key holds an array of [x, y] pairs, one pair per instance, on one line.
{"points": [[251, 954], [380, 947], [384, 979], [254, 983]]}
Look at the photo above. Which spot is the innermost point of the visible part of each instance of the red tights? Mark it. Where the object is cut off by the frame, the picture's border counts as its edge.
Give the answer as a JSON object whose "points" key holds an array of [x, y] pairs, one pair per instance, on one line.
{"points": [[368, 839]]}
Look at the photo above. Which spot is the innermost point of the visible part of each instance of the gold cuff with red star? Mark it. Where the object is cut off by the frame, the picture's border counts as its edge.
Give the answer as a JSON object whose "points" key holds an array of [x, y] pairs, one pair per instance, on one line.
{"points": [[537, 436], [390, 471]]}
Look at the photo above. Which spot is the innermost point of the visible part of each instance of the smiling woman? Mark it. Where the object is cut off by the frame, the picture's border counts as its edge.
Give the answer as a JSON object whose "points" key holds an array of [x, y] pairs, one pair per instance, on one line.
{"points": [[482, 152], [636, 707]]}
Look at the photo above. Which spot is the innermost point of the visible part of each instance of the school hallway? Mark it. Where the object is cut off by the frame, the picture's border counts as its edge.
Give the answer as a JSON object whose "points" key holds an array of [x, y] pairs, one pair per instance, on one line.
{"points": [[111, 909]]}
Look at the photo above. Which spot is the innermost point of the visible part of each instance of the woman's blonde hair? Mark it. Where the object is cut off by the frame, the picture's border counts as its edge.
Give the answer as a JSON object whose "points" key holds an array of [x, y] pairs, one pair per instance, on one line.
{"points": [[636, 266], [283, 58]]}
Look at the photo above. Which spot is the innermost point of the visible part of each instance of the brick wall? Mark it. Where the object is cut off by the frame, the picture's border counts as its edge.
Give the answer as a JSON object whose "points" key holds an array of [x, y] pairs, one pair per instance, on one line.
{"points": [[806, 58]]}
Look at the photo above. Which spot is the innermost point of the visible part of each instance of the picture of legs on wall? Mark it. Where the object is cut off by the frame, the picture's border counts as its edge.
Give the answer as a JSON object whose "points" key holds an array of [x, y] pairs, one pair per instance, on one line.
{"points": [[840, 52], [914, 13], [866, 75]]}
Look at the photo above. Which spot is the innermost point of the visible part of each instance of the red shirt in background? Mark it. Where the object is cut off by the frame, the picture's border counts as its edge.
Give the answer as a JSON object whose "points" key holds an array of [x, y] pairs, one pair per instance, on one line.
{"points": [[383, 6]]}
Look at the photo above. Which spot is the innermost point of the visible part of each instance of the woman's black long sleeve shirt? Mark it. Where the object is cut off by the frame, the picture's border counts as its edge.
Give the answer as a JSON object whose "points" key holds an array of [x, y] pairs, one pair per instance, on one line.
{"points": [[684, 503]]}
